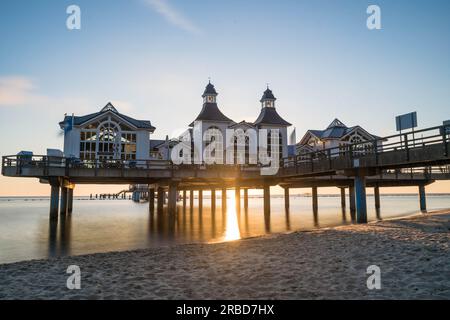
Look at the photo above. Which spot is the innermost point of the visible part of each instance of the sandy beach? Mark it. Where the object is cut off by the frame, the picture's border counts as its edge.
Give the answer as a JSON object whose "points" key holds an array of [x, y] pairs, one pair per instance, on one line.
{"points": [[413, 255]]}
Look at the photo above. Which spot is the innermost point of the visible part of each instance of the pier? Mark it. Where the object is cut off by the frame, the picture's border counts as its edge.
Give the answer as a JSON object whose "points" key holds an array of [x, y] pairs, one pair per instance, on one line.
{"points": [[401, 160]]}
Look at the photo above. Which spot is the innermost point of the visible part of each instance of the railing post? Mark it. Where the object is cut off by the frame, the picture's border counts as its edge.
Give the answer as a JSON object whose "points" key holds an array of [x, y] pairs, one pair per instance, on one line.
{"points": [[329, 159], [375, 148], [405, 136], [350, 151], [66, 164], [444, 139], [46, 165]]}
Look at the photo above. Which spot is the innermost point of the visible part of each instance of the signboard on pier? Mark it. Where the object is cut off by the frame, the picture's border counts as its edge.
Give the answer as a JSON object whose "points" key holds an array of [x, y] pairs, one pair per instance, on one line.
{"points": [[406, 121], [446, 124]]}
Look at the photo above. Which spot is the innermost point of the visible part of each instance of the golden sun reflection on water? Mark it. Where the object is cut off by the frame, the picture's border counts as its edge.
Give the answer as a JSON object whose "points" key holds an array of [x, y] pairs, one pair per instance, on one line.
{"points": [[232, 231]]}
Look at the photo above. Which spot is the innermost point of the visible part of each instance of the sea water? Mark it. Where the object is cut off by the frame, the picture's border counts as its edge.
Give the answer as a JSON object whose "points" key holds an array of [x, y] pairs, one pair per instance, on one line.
{"points": [[116, 225]]}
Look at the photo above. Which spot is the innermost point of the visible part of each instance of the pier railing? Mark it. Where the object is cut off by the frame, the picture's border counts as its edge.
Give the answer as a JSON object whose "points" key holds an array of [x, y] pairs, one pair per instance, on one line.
{"points": [[402, 150], [422, 148]]}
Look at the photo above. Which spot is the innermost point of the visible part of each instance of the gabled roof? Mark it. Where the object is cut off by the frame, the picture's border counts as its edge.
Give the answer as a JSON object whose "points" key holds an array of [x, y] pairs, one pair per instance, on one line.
{"points": [[336, 130], [211, 112], [80, 120], [304, 148], [270, 116], [332, 133], [355, 128], [242, 124], [336, 123]]}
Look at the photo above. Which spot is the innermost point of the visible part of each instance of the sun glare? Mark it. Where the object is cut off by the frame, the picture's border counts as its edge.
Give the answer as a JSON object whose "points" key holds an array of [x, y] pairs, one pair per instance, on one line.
{"points": [[232, 231]]}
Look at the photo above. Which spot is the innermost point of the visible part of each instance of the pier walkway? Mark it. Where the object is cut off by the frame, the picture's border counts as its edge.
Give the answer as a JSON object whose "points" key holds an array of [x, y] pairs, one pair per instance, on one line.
{"points": [[410, 159]]}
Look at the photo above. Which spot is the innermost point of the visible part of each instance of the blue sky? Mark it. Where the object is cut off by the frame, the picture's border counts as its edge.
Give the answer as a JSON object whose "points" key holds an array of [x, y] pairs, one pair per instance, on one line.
{"points": [[152, 59]]}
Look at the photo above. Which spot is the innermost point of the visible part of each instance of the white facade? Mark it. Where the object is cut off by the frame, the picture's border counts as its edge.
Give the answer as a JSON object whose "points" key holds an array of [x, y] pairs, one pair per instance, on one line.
{"points": [[211, 117], [106, 135]]}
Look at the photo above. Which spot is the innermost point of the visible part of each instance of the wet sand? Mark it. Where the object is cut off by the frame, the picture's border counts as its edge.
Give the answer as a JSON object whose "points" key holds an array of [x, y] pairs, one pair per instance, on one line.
{"points": [[413, 255]]}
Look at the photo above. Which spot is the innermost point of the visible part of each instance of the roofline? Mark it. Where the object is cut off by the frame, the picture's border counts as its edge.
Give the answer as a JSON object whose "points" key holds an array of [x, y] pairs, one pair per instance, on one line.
{"points": [[286, 124], [221, 121], [355, 128], [309, 132], [151, 128], [244, 123]]}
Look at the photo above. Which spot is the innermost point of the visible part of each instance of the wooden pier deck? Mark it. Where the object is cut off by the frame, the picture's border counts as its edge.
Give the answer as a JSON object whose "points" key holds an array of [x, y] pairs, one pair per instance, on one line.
{"points": [[401, 160]]}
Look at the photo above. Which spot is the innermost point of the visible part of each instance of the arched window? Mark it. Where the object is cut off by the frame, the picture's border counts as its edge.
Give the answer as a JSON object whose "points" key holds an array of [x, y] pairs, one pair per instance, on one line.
{"points": [[211, 135], [355, 139], [280, 144], [109, 140], [241, 135], [359, 140]]}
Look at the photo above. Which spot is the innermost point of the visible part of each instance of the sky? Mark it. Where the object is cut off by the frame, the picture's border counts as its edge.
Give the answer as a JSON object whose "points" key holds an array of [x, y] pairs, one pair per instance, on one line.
{"points": [[152, 60]]}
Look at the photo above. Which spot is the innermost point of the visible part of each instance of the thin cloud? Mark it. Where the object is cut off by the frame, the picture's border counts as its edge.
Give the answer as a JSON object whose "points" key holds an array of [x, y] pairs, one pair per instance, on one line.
{"points": [[172, 15], [18, 91], [15, 90]]}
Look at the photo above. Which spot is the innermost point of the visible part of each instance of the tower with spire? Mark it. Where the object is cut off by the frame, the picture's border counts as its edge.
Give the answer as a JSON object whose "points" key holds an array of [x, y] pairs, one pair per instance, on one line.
{"points": [[210, 113], [270, 119], [211, 117], [268, 99], [210, 93]]}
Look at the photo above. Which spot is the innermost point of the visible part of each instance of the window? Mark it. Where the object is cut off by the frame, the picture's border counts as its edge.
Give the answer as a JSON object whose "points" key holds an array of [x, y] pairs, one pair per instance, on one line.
{"points": [[269, 143], [359, 140], [88, 145], [210, 136], [128, 147], [355, 139], [107, 140]]}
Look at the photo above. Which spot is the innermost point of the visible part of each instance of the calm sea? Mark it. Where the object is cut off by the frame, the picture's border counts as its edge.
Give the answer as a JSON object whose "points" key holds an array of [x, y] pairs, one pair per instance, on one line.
{"points": [[115, 225]]}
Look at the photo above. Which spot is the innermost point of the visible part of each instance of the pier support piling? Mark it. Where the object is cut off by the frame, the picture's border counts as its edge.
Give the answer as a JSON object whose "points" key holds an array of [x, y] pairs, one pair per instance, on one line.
{"points": [[172, 198], [376, 194], [200, 199], [267, 207], [422, 198], [70, 200], [160, 201], [224, 199], [237, 196], [286, 199], [63, 203], [184, 199], [343, 204], [266, 200], [191, 199], [213, 200], [315, 202], [151, 200], [361, 205], [351, 196], [54, 202], [246, 200]]}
